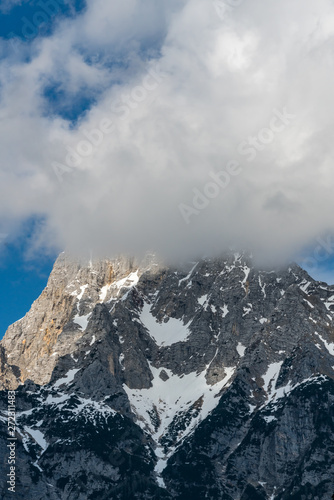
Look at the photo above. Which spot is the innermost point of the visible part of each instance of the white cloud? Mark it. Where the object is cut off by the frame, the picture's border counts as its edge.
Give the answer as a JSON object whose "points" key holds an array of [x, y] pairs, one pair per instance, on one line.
{"points": [[7, 5], [222, 80]]}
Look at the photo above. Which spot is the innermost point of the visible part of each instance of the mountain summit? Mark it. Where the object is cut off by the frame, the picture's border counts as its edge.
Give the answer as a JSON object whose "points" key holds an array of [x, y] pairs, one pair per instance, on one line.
{"points": [[135, 380]]}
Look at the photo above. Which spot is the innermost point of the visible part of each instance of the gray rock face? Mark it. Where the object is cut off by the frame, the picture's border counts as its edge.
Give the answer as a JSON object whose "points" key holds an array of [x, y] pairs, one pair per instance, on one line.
{"points": [[136, 380]]}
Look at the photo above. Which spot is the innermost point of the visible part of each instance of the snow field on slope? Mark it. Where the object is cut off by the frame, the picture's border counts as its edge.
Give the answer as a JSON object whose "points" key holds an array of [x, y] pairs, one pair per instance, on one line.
{"points": [[82, 321], [241, 349], [129, 281], [271, 376], [172, 398], [69, 377], [329, 347], [164, 333]]}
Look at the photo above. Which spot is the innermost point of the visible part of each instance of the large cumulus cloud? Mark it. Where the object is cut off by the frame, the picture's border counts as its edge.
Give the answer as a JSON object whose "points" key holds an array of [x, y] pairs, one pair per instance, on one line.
{"points": [[182, 92]]}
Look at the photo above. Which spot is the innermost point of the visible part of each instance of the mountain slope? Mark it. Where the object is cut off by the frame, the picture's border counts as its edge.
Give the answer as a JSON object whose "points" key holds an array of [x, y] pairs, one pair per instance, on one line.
{"points": [[137, 380]]}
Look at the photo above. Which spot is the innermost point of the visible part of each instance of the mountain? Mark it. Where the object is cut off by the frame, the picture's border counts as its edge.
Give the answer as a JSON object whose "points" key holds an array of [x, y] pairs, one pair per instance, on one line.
{"points": [[137, 380]]}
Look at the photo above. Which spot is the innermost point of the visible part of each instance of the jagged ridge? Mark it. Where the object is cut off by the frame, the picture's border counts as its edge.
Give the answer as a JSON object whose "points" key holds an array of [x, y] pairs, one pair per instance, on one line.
{"points": [[207, 379]]}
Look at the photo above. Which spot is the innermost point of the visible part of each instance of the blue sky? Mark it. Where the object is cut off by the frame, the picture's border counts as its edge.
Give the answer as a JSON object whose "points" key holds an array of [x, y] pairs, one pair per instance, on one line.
{"points": [[22, 276], [34, 18], [324, 271], [117, 117]]}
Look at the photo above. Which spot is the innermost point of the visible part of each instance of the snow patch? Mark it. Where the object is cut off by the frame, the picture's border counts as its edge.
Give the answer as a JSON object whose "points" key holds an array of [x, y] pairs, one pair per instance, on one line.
{"points": [[329, 347], [202, 299], [282, 392], [263, 287], [129, 281], [168, 400], [248, 309], [120, 360], [69, 377], [82, 321], [37, 436], [271, 376], [36, 465], [241, 349], [328, 305], [132, 280], [269, 419], [246, 270], [83, 289], [309, 303], [103, 293], [174, 330], [188, 275], [304, 285], [225, 311]]}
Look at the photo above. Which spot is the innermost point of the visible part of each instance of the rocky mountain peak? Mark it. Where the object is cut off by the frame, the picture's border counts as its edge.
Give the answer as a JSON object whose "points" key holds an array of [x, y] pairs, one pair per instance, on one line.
{"points": [[187, 364]]}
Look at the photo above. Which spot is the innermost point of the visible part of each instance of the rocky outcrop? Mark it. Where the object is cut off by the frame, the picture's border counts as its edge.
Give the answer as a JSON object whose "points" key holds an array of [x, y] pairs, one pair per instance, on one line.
{"points": [[49, 330], [138, 380]]}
